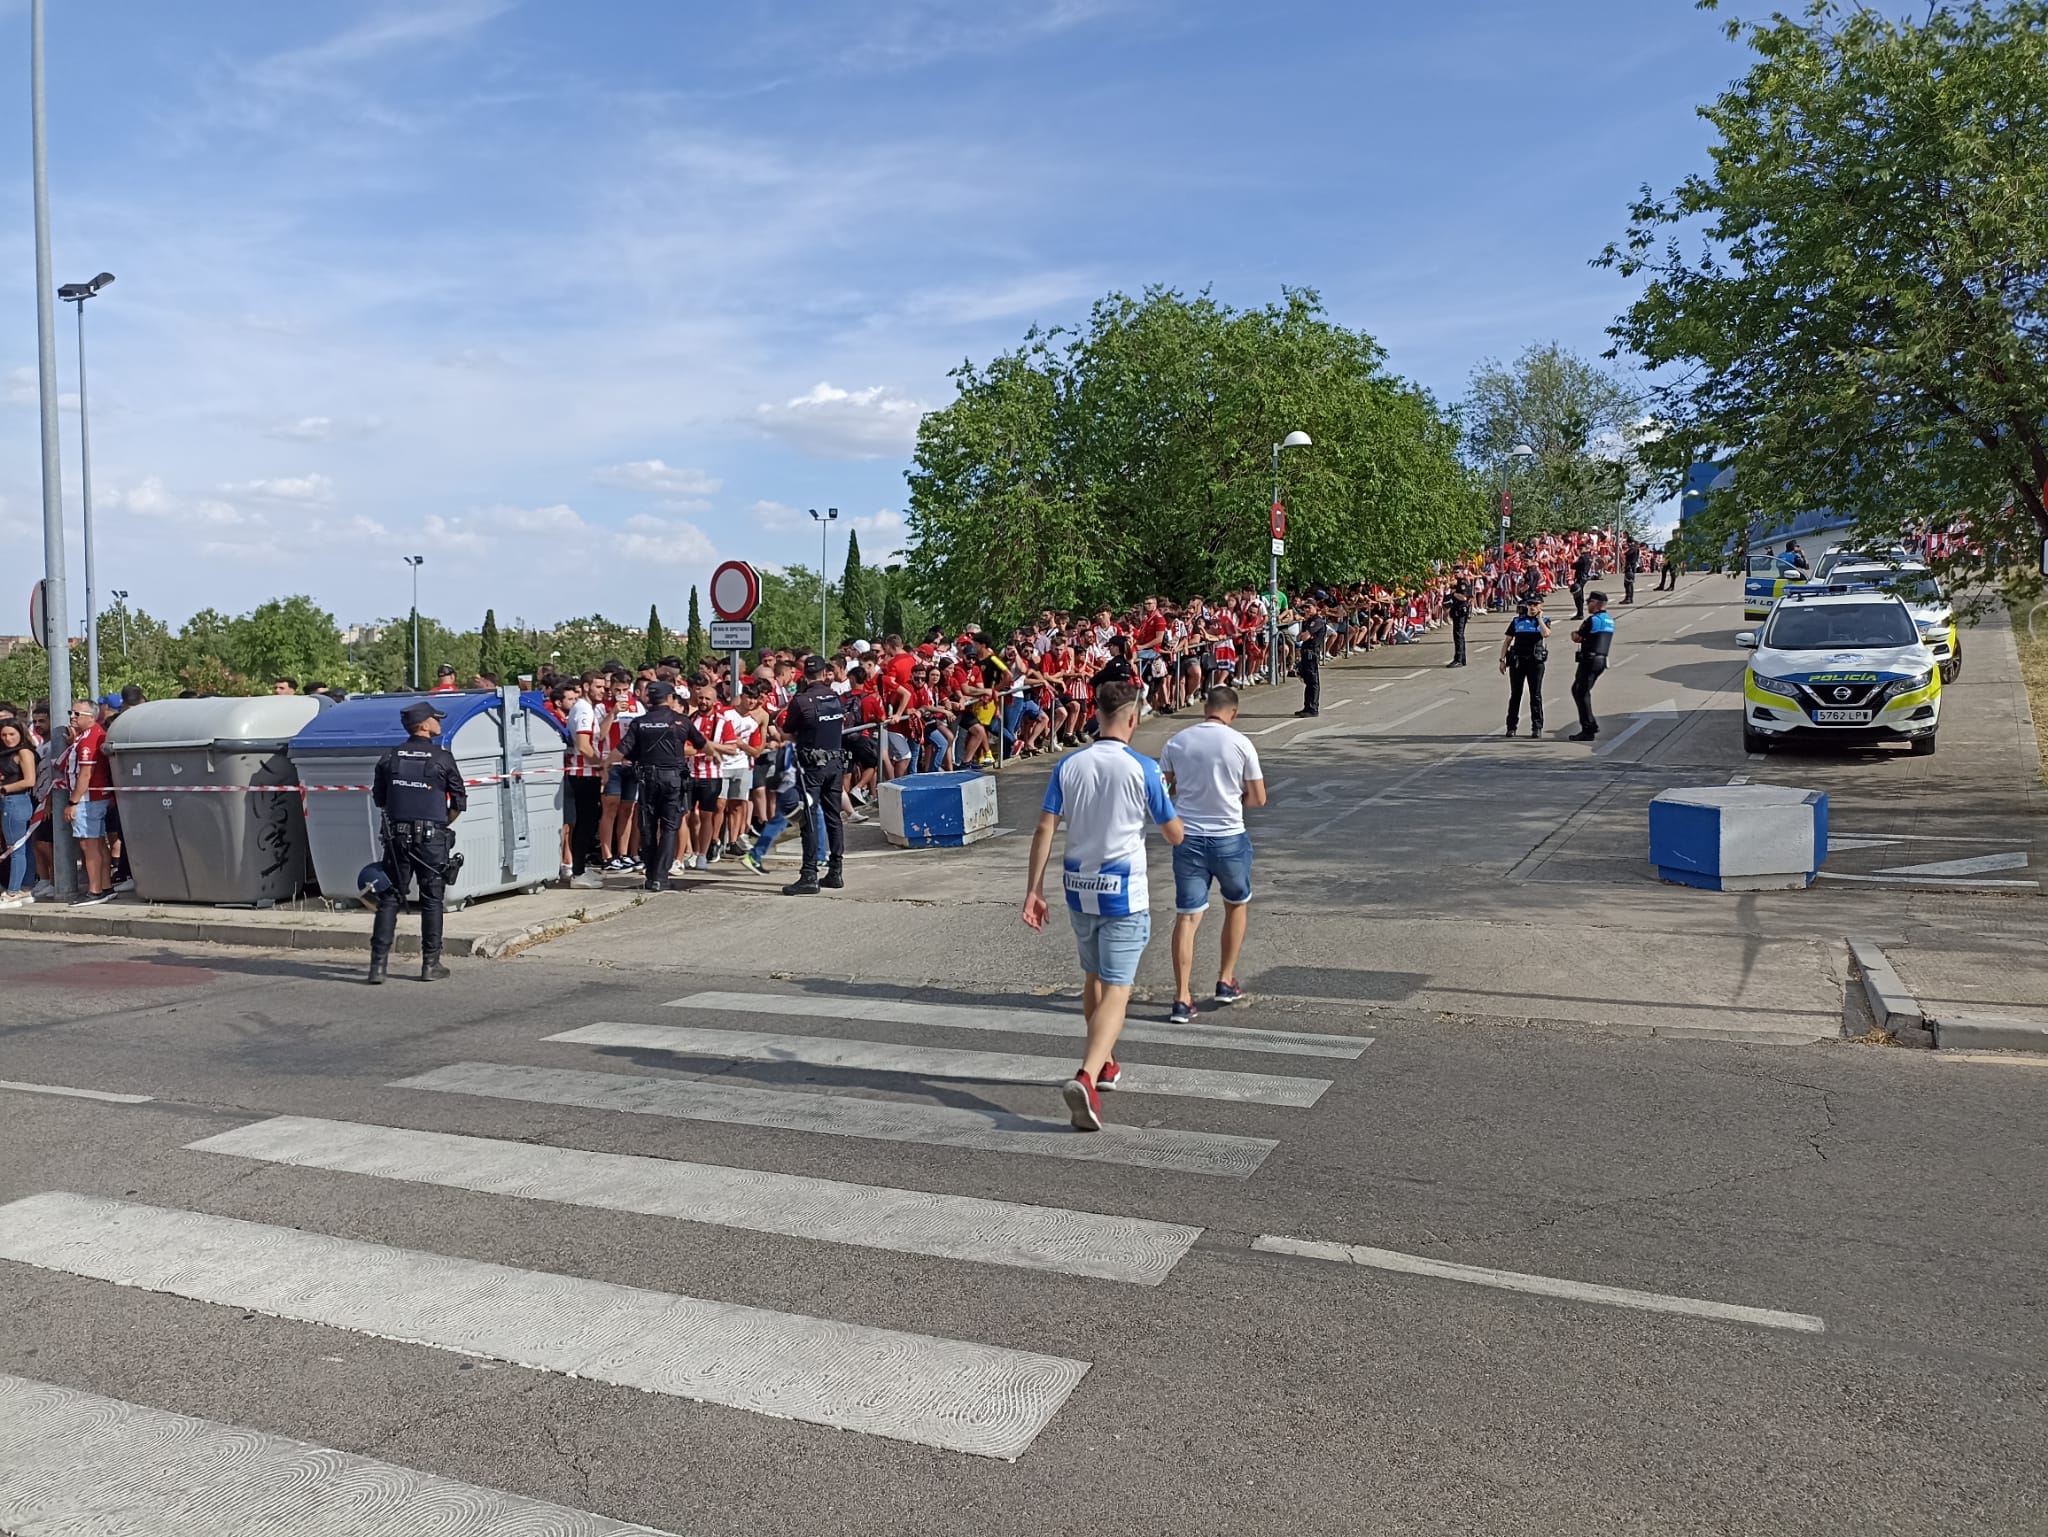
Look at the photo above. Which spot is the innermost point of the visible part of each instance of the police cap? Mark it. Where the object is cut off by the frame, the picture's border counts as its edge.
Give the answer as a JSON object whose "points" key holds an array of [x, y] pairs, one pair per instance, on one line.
{"points": [[658, 692], [417, 712], [815, 666]]}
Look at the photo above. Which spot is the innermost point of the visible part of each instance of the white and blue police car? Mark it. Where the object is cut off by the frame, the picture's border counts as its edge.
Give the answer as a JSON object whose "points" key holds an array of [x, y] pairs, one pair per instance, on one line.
{"points": [[1843, 664]]}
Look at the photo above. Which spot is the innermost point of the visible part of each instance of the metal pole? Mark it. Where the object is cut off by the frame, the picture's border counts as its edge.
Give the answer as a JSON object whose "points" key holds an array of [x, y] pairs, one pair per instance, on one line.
{"points": [[92, 602], [1500, 535], [1273, 591], [824, 587], [415, 624], [56, 595]]}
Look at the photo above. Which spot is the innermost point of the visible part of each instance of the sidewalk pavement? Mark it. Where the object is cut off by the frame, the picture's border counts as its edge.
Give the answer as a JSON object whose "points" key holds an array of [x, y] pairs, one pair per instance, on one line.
{"points": [[490, 928], [1976, 992]]}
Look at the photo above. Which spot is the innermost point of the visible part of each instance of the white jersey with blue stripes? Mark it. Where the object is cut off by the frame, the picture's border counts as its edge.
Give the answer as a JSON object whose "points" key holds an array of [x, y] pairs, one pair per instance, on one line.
{"points": [[1107, 793]]}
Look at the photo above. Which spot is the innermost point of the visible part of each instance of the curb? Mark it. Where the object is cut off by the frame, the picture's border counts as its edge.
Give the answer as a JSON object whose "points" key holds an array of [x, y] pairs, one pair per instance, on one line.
{"points": [[502, 943], [1966, 1032], [1891, 1005]]}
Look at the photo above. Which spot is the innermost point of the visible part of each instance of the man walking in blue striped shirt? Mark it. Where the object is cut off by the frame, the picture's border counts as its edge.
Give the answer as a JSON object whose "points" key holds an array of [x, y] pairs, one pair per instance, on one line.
{"points": [[1106, 793]]}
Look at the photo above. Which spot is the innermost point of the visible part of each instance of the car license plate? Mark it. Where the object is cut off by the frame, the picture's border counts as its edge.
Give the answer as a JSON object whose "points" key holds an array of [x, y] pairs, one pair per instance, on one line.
{"points": [[1842, 717]]}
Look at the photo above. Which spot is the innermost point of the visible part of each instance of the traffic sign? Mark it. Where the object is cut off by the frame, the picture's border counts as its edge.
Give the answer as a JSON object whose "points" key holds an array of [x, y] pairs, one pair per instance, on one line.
{"points": [[735, 590], [732, 635], [1279, 546], [1503, 521], [1279, 521], [38, 614]]}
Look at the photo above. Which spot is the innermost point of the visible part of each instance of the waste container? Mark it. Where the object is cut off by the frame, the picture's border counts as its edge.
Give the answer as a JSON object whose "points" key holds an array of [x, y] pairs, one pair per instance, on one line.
{"points": [[208, 801], [509, 838]]}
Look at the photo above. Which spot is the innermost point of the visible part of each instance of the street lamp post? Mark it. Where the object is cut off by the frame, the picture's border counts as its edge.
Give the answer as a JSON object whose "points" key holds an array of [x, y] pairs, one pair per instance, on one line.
{"points": [[78, 293], [1292, 440], [1500, 534], [825, 520], [415, 561], [121, 603]]}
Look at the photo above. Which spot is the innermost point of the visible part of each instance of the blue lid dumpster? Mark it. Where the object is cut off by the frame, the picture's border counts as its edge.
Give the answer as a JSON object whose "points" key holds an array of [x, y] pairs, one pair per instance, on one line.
{"points": [[938, 811], [511, 755], [208, 801]]}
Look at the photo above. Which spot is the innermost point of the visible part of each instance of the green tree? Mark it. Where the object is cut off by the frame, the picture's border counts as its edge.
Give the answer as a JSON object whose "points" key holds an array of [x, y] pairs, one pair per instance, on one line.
{"points": [[853, 587], [1579, 419], [489, 650], [893, 619], [286, 637], [695, 646], [788, 615], [657, 638], [1863, 326]]}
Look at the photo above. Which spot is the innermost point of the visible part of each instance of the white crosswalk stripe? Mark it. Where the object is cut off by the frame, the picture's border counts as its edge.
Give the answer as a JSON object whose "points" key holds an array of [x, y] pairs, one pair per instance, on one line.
{"points": [[841, 1115], [943, 1062], [909, 1387], [949, 1016], [1081, 1243], [75, 1464]]}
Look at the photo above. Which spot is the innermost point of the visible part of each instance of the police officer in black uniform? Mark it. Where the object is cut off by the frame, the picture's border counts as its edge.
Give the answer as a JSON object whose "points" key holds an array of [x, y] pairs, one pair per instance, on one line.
{"points": [[1459, 607], [1631, 568], [1522, 656], [1582, 573], [1594, 636], [419, 789], [814, 721], [657, 743], [1315, 640]]}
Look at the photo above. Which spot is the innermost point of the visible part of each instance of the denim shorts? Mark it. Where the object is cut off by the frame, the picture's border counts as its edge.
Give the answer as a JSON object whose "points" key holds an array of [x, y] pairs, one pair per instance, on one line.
{"points": [[1110, 945], [622, 781], [1197, 860], [90, 819]]}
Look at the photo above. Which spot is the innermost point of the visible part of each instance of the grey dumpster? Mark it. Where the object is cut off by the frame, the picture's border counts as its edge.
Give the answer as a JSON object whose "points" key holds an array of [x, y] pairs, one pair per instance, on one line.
{"points": [[510, 837], [191, 782]]}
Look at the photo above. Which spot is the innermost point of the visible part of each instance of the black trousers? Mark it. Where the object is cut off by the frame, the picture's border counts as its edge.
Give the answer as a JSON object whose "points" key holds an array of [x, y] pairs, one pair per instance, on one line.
{"points": [[1582, 691], [1311, 685], [1578, 591], [586, 795], [1628, 587], [661, 821], [1458, 640], [820, 781], [413, 851], [1526, 673]]}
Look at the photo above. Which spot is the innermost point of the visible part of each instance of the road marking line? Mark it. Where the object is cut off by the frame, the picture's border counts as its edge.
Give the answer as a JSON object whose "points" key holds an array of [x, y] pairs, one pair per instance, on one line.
{"points": [[1338, 705], [947, 1016], [1415, 674], [1402, 720], [952, 1394], [77, 1462], [1378, 686], [1982, 864], [1129, 1249], [1934, 881], [1344, 729], [1269, 730], [843, 1115], [1688, 626], [54, 1088], [1541, 1286], [943, 1062]]}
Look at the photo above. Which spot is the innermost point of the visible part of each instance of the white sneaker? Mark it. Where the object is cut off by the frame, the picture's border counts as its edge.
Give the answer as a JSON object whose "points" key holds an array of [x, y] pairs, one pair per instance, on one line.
{"points": [[565, 874], [14, 898], [589, 880], [680, 867]]}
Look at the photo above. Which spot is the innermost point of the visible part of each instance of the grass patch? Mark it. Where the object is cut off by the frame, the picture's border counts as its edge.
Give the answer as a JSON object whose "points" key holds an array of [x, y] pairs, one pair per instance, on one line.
{"points": [[2030, 635]]}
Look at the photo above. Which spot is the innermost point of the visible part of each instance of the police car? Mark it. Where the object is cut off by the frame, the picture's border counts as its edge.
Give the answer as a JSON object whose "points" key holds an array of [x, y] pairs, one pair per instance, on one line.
{"points": [[1843, 664], [1765, 581], [1914, 585]]}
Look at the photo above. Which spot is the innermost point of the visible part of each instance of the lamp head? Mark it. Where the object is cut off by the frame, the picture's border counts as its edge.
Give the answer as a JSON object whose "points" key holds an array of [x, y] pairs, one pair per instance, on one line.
{"points": [[1521, 451], [1297, 440]]}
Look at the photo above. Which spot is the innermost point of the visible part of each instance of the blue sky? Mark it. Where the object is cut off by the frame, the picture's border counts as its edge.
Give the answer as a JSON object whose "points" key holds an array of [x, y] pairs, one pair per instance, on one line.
{"points": [[575, 300]]}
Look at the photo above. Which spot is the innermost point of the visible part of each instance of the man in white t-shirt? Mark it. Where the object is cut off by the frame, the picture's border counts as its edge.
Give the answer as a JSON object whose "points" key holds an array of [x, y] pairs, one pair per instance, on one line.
{"points": [[1106, 793], [1213, 773]]}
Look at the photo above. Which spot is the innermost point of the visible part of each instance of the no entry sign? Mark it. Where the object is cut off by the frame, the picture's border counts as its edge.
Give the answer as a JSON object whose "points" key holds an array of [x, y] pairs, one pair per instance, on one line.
{"points": [[735, 590]]}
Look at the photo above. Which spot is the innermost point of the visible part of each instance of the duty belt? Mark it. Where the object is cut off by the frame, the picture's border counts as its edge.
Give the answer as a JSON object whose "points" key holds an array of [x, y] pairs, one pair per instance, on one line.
{"points": [[821, 755]]}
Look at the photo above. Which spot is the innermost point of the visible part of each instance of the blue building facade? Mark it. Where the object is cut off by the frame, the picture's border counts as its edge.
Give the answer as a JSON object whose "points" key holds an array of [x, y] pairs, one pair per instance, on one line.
{"points": [[1704, 479]]}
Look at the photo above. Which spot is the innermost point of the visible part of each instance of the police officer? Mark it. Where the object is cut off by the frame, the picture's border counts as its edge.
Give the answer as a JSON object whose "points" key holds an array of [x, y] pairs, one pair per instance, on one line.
{"points": [[814, 721], [1594, 636], [1459, 607], [419, 789], [657, 743], [1315, 640], [1522, 657], [1582, 573], [1631, 567]]}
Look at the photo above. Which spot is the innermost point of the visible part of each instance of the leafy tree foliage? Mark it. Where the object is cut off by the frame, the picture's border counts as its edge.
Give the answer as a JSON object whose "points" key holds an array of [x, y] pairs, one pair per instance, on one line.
{"points": [[695, 643], [657, 638], [853, 591], [1863, 325], [1579, 419], [1133, 456], [489, 648]]}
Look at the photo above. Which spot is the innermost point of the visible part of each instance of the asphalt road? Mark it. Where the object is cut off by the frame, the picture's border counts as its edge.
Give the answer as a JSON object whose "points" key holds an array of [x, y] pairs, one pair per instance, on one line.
{"points": [[1880, 1210]]}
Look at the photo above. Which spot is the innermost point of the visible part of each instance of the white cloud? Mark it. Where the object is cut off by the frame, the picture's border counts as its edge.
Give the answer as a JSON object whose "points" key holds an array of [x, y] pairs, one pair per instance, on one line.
{"points": [[833, 423], [778, 517], [883, 522], [558, 519], [295, 488], [662, 542], [321, 429], [151, 499], [653, 475], [147, 497]]}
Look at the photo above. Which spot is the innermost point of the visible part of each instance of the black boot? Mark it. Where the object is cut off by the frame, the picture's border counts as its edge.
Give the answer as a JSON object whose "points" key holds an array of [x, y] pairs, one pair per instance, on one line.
{"points": [[805, 885], [380, 966], [431, 969], [835, 878]]}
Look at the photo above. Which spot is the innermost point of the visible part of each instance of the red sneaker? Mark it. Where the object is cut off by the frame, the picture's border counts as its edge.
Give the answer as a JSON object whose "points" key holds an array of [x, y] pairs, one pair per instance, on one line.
{"points": [[1111, 1075], [1083, 1105]]}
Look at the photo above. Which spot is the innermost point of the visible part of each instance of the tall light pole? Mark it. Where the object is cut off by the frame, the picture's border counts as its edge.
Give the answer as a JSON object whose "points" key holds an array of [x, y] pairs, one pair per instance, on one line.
{"points": [[415, 561], [1292, 440], [121, 602], [1500, 533], [825, 520], [78, 293]]}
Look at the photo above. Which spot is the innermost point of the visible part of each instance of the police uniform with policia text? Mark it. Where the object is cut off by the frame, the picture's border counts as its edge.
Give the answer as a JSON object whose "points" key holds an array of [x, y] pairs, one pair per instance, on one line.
{"points": [[657, 744], [815, 722], [419, 789], [1594, 637], [1315, 639], [1523, 655]]}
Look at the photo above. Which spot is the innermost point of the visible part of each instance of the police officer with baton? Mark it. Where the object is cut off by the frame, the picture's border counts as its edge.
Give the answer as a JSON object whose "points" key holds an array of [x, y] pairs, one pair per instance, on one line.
{"points": [[814, 722], [656, 743], [419, 789]]}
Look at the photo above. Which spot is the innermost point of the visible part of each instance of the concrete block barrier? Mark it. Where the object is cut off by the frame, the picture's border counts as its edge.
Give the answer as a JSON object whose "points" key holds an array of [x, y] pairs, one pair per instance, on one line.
{"points": [[938, 811], [1739, 837]]}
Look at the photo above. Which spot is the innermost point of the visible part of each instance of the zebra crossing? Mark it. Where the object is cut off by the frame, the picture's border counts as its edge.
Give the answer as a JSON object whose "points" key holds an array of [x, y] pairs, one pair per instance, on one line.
{"points": [[957, 1395]]}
